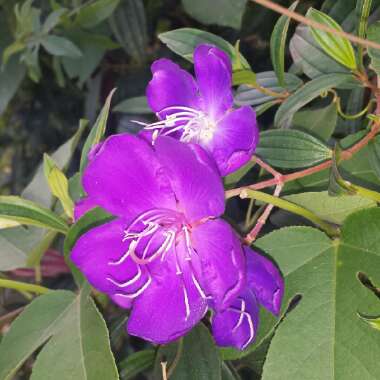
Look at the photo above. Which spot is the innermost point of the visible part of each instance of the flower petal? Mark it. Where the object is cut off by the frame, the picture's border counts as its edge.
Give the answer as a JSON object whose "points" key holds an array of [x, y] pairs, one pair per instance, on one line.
{"points": [[95, 254], [265, 280], [125, 178], [214, 76], [83, 206], [171, 86], [234, 140], [237, 326], [170, 306], [197, 186], [222, 261]]}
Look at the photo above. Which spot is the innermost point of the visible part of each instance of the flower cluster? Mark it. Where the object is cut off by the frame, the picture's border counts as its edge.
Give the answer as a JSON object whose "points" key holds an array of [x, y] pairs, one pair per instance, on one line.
{"points": [[168, 255]]}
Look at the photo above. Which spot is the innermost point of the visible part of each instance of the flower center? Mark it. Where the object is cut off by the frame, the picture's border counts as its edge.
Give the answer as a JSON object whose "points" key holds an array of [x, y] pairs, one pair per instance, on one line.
{"points": [[195, 125], [151, 236]]}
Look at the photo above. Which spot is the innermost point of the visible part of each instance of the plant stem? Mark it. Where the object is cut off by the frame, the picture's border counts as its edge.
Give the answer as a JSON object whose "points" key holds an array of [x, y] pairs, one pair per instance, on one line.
{"points": [[345, 155], [23, 286], [289, 206], [304, 20]]}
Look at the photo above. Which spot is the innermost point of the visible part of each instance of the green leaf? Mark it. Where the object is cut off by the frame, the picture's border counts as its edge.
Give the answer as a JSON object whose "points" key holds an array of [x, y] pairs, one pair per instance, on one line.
{"points": [[60, 46], [331, 209], [237, 175], [307, 93], [374, 154], [243, 76], [337, 47], [136, 363], [374, 322], [183, 41], [97, 131], [53, 20], [309, 57], [226, 13], [76, 332], [325, 274], [373, 34], [320, 122], [11, 77], [277, 45], [12, 49], [27, 212], [58, 184], [137, 104], [248, 95], [198, 358], [129, 26], [93, 13], [291, 149]]}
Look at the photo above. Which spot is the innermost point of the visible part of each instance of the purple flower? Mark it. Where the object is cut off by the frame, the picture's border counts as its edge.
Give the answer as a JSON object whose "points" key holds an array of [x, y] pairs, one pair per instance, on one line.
{"points": [[238, 324], [167, 255], [201, 111]]}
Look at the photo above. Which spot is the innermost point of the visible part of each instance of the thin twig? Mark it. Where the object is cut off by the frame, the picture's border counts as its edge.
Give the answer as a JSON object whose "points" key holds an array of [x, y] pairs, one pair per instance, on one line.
{"points": [[304, 20]]}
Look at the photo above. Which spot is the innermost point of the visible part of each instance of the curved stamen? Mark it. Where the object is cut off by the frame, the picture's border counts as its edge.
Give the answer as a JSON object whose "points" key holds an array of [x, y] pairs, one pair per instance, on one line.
{"points": [[198, 286], [240, 321], [186, 299], [250, 324], [138, 292], [126, 283]]}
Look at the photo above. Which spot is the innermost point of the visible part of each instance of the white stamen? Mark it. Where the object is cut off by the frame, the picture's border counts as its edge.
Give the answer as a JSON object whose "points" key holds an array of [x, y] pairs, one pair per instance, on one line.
{"points": [[138, 292], [241, 317], [187, 306], [250, 325], [198, 286], [127, 283]]}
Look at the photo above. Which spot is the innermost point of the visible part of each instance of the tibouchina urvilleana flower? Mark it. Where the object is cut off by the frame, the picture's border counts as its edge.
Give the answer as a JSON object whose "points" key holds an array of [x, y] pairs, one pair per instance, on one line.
{"points": [[201, 111], [167, 255], [237, 325]]}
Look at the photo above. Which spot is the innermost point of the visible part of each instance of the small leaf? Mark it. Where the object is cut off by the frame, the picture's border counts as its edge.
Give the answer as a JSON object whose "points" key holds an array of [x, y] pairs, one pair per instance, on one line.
{"points": [[226, 13], [373, 34], [53, 19], [199, 358], [136, 363], [307, 93], [27, 212], [97, 131], [374, 322], [320, 122], [337, 47], [12, 49], [93, 13], [291, 149], [243, 76], [248, 95], [277, 45], [183, 41], [60, 46], [58, 184]]}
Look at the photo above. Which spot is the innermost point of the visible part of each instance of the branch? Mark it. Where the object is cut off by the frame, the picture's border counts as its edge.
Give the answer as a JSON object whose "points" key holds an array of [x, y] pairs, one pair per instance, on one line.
{"points": [[304, 20]]}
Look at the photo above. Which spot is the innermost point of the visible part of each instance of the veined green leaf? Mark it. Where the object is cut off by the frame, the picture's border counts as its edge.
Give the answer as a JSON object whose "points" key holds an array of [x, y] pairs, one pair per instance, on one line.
{"points": [[136, 363], [337, 47], [277, 45], [183, 41], [27, 212], [307, 93], [291, 149]]}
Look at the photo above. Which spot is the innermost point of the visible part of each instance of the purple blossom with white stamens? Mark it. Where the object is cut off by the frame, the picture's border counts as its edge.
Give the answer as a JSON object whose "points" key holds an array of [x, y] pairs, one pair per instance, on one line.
{"points": [[201, 111], [167, 255], [238, 324]]}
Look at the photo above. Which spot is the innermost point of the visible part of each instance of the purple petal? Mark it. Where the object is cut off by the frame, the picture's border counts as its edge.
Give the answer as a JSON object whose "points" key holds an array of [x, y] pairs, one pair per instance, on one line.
{"points": [[237, 326], [120, 300], [170, 306], [197, 186], [83, 206], [213, 72], [222, 261], [95, 253], [265, 280], [171, 86], [234, 140], [125, 178]]}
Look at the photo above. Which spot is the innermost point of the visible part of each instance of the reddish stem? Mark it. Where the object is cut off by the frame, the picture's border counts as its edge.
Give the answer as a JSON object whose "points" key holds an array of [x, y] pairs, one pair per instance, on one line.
{"points": [[345, 155]]}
